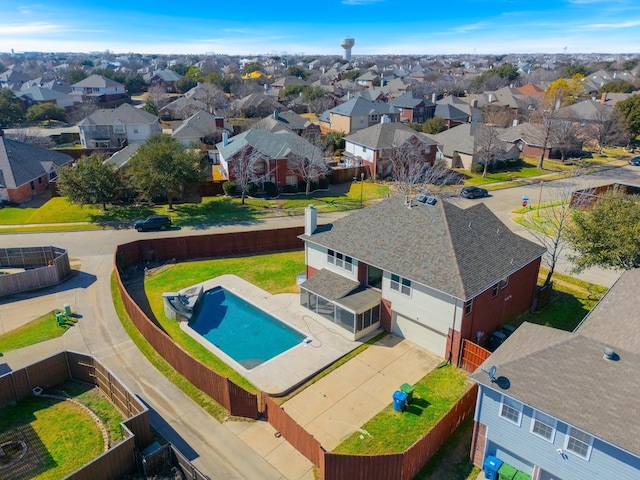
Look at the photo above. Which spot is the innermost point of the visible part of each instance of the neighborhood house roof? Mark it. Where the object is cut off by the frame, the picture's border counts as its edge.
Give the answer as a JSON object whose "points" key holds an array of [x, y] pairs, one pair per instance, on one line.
{"points": [[273, 145], [456, 251], [387, 135], [360, 106], [125, 113], [20, 162], [97, 81], [198, 125]]}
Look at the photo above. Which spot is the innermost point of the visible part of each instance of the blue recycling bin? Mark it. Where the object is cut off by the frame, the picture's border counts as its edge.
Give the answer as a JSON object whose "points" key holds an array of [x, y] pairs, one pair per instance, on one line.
{"points": [[491, 466], [399, 400]]}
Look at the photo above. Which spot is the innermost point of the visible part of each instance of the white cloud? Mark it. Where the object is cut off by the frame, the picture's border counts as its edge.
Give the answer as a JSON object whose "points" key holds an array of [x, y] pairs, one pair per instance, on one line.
{"points": [[28, 28], [360, 2]]}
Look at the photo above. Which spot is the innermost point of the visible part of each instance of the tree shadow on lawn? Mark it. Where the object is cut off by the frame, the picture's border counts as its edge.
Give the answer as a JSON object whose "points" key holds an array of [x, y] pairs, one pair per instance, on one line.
{"points": [[202, 215], [123, 214]]}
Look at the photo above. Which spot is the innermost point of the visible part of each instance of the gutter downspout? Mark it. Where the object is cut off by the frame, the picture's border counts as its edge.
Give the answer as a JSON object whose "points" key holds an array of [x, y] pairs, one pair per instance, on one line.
{"points": [[453, 328]]}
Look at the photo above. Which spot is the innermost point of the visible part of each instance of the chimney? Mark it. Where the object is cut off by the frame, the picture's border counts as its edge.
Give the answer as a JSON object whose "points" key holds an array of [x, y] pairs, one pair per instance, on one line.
{"points": [[385, 119], [276, 114], [225, 138], [434, 97], [310, 220], [557, 105], [490, 97], [474, 103], [515, 122], [603, 98]]}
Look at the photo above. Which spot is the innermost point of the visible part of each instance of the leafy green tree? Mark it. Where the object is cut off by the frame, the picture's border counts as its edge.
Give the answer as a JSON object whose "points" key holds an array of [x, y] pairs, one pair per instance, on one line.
{"points": [[311, 93], [434, 125], [185, 84], [10, 110], [179, 68], [46, 111], [90, 181], [75, 76], [506, 71], [351, 75], [162, 167], [296, 71], [629, 111], [150, 106], [222, 81], [607, 234], [292, 90], [195, 73], [629, 65], [573, 70], [618, 86]]}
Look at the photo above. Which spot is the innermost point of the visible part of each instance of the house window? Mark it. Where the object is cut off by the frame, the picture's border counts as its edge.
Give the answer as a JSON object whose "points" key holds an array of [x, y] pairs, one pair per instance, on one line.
{"points": [[364, 149], [118, 128], [579, 443], [95, 89], [53, 174], [39, 180], [494, 291], [374, 118], [292, 180], [504, 282], [467, 307], [543, 425], [32, 184], [511, 410], [135, 129], [339, 260], [401, 285]]}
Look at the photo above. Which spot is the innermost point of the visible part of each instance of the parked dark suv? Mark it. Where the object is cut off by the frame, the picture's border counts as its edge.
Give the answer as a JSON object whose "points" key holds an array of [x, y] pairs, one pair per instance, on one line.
{"points": [[473, 192], [156, 222]]}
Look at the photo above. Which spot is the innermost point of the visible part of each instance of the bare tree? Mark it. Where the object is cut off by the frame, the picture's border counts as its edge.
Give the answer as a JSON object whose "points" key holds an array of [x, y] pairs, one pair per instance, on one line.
{"points": [[249, 167], [32, 137], [158, 96], [605, 130], [80, 111], [309, 163], [212, 96], [488, 146], [565, 135]]}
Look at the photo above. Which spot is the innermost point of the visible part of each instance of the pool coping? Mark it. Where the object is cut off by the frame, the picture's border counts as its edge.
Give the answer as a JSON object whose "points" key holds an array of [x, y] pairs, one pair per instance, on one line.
{"points": [[283, 373]]}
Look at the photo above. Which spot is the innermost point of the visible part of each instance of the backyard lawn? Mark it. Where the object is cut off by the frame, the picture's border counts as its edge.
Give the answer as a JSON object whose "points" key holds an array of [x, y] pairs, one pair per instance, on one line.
{"points": [[393, 432], [60, 436]]}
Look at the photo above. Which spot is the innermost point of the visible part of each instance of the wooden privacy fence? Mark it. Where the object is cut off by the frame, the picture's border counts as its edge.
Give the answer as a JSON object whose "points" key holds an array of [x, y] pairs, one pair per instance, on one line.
{"points": [[405, 465], [472, 356], [44, 266]]}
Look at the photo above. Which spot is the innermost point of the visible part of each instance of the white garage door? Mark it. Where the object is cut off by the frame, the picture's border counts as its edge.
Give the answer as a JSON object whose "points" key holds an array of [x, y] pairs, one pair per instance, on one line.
{"points": [[420, 334]]}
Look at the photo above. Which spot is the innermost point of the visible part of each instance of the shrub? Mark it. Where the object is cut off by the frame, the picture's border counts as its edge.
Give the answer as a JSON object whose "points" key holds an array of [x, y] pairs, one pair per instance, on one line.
{"points": [[252, 189], [229, 188], [270, 189], [324, 183], [290, 189]]}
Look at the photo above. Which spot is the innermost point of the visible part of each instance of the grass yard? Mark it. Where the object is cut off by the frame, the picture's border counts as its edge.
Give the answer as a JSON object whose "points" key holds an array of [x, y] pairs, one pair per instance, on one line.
{"points": [[60, 436], [275, 273], [39, 330], [56, 210], [394, 432]]}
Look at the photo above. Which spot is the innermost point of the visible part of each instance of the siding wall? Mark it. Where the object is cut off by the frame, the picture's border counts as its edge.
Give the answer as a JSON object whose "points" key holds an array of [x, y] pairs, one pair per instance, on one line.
{"points": [[519, 447], [317, 259]]}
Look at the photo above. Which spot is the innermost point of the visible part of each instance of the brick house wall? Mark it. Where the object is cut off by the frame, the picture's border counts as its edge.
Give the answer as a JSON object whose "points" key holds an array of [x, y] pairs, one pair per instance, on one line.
{"points": [[28, 190], [478, 441]]}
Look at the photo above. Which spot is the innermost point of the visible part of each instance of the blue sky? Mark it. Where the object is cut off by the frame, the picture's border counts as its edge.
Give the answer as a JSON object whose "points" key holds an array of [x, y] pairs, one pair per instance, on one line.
{"points": [[247, 27]]}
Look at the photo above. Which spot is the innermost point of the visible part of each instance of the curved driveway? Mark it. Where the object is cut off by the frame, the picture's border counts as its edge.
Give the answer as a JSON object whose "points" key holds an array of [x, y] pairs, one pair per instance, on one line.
{"points": [[216, 449]]}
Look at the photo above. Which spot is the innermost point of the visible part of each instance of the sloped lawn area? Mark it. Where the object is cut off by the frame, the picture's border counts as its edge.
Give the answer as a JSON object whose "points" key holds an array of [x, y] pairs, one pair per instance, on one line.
{"points": [[394, 432], [44, 328]]}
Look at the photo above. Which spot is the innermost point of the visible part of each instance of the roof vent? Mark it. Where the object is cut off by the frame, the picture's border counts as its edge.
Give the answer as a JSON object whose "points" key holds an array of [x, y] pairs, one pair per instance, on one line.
{"points": [[610, 354], [422, 199], [432, 200]]}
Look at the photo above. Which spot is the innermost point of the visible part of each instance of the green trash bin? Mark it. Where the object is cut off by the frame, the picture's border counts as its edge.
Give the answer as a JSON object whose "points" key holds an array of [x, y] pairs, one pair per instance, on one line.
{"points": [[506, 472], [60, 318], [408, 389], [521, 476], [67, 309]]}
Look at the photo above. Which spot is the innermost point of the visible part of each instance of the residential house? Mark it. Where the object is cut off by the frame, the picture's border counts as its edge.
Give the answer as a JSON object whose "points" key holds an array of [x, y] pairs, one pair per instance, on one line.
{"points": [[280, 84], [356, 114], [470, 109], [25, 170], [288, 120], [428, 271], [37, 95], [182, 108], [256, 104], [562, 404], [451, 115], [529, 138], [13, 79], [463, 146], [586, 112], [164, 79], [204, 131], [368, 79], [113, 127], [274, 151], [98, 89], [374, 146], [414, 108]]}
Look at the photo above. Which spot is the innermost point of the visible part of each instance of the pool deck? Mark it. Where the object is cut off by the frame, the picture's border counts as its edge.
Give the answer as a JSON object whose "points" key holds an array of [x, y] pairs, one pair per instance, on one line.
{"points": [[282, 373]]}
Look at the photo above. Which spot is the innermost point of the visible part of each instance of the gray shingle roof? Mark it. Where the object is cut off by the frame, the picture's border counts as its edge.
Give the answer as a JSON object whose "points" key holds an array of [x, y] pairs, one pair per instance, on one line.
{"points": [[449, 112], [20, 162], [458, 252], [409, 100], [386, 135], [41, 94], [362, 106], [274, 145], [125, 113], [97, 81], [197, 125]]}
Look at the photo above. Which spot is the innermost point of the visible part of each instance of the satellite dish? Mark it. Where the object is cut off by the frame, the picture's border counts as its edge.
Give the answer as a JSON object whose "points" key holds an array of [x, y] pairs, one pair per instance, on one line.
{"points": [[491, 372]]}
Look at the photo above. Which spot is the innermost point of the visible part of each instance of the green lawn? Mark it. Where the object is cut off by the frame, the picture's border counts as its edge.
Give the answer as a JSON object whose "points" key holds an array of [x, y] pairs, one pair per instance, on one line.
{"points": [[36, 331], [67, 437], [275, 273], [393, 432], [56, 210]]}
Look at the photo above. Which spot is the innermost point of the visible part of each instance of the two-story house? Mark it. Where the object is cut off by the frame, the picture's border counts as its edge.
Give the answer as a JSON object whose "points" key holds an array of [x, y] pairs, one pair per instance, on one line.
{"points": [[373, 147], [273, 152], [413, 107], [563, 405], [96, 88], [113, 127], [356, 114], [164, 79], [428, 271]]}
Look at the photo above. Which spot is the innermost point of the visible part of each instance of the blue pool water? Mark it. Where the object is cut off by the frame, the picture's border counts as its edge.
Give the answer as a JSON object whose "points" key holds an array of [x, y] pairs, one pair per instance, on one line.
{"points": [[246, 333]]}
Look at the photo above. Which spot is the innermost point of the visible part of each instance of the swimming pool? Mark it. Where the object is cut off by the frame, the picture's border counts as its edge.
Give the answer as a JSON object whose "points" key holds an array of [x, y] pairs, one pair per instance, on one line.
{"points": [[247, 334]]}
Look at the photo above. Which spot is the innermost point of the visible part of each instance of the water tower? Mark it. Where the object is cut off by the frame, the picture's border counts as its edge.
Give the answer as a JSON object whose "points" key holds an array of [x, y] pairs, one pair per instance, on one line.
{"points": [[347, 44]]}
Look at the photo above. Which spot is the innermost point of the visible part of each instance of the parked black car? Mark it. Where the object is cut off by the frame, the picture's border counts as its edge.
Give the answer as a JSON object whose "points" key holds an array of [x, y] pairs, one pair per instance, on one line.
{"points": [[155, 222], [474, 192], [635, 161]]}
